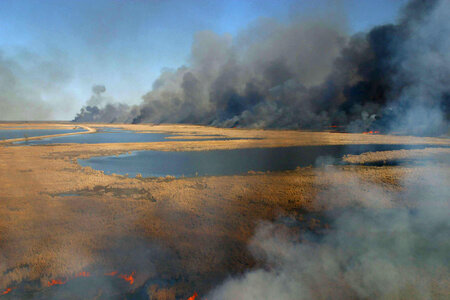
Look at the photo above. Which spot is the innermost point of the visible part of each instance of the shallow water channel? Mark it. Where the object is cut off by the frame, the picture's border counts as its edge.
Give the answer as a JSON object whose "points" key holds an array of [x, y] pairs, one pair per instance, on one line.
{"points": [[24, 133], [227, 162], [103, 137], [113, 135]]}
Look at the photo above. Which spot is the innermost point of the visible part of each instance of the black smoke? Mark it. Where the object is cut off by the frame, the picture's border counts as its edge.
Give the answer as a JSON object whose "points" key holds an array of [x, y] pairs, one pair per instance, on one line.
{"points": [[100, 108], [310, 74]]}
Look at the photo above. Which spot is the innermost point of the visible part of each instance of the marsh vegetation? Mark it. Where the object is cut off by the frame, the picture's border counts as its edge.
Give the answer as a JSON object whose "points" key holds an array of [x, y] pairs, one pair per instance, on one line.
{"points": [[176, 236]]}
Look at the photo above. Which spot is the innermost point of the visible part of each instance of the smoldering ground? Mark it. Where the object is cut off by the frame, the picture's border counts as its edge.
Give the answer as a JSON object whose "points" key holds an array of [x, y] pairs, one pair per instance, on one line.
{"points": [[98, 259], [310, 74], [373, 249]]}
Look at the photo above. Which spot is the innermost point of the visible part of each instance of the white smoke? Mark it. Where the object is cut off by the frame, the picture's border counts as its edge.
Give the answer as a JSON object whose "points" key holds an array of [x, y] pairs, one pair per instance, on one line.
{"points": [[425, 67], [371, 251]]}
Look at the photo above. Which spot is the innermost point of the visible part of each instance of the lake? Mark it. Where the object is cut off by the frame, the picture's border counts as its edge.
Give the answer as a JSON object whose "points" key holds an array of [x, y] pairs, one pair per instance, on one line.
{"points": [[227, 162]]}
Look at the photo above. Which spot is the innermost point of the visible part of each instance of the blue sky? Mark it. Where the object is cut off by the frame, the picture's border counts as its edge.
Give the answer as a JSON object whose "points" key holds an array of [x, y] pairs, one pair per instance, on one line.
{"points": [[124, 44]]}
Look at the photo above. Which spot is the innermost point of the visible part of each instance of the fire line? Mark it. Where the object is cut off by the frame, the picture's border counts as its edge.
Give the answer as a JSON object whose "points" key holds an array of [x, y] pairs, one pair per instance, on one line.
{"points": [[127, 277]]}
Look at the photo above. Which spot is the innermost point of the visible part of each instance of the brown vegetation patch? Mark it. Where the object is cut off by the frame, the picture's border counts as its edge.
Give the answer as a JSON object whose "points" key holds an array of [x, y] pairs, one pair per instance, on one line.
{"points": [[440, 155]]}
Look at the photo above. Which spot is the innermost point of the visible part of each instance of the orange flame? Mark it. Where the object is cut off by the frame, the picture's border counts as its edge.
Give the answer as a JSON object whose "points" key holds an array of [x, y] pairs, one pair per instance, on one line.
{"points": [[113, 273], [371, 132], [193, 297], [56, 282], [83, 274], [8, 290], [128, 278]]}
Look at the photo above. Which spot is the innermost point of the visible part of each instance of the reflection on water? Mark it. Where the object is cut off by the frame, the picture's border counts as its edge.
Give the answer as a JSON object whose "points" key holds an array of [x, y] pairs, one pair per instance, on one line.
{"points": [[227, 162], [23, 133]]}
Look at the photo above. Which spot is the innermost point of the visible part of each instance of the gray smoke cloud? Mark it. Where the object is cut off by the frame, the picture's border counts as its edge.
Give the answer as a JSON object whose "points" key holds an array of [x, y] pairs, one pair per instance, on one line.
{"points": [[245, 81], [310, 74], [374, 250], [424, 74], [31, 85], [97, 99]]}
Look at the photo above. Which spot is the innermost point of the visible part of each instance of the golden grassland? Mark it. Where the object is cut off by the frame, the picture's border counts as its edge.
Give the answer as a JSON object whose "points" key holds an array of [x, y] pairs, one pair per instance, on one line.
{"points": [[413, 155], [196, 227]]}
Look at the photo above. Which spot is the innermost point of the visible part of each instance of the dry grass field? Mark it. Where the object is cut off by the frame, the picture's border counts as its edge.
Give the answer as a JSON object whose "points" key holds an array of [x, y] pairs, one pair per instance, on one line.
{"points": [[190, 233]]}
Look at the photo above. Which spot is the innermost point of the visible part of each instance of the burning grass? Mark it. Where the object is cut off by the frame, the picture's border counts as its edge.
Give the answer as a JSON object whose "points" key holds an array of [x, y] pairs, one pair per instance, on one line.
{"points": [[167, 237], [129, 278]]}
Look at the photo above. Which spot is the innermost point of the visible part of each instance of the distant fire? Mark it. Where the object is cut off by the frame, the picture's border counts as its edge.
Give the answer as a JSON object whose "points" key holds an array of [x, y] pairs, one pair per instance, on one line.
{"points": [[371, 132], [56, 282], [128, 278], [8, 290], [193, 297], [83, 274], [113, 273]]}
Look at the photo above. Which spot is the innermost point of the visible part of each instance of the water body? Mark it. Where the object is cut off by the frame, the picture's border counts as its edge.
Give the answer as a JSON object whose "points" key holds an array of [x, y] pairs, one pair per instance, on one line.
{"points": [[227, 162], [103, 137], [113, 136], [22, 133]]}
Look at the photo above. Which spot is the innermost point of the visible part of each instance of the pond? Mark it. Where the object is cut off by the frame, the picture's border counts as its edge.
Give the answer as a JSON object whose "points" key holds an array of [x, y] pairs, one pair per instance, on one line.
{"points": [[227, 162], [22, 133]]}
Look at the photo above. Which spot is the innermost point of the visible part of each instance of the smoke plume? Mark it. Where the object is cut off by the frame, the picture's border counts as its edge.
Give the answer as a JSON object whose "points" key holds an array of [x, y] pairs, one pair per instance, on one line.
{"points": [[310, 74], [100, 108], [372, 251], [97, 98]]}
